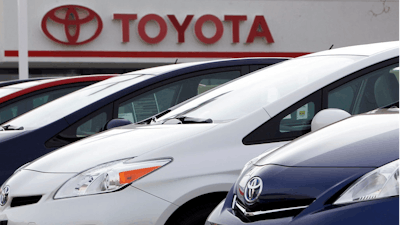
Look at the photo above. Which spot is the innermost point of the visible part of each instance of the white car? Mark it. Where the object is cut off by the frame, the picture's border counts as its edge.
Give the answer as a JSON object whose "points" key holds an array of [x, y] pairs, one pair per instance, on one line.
{"points": [[176, 167]]}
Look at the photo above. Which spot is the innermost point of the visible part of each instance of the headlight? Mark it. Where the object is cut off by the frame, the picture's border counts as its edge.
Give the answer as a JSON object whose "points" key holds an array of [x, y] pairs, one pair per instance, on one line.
{"points": [[380, 183], [108, 177]]}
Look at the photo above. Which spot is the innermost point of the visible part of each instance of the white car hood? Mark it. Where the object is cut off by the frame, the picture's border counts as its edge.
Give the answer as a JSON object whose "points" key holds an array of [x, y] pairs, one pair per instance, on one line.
{"points": [[115, 144]]}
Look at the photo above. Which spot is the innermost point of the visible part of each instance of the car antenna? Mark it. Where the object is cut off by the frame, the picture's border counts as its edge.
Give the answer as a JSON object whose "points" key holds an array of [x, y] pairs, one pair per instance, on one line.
{"points": [[176, 61], [331, 47]]}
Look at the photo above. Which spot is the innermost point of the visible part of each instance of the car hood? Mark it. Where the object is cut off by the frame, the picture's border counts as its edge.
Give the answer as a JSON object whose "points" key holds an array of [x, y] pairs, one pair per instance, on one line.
{"points": [[120, 143], [286, 187], [360, 141]]}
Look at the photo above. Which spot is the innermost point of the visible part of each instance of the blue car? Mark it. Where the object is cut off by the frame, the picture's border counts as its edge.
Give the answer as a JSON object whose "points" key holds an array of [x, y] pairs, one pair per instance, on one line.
{"points": [[346, 173], [133, 97]]}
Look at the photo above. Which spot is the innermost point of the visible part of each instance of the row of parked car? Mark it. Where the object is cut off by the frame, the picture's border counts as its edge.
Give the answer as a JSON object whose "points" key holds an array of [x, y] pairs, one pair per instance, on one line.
{"points": [[164, 145]]}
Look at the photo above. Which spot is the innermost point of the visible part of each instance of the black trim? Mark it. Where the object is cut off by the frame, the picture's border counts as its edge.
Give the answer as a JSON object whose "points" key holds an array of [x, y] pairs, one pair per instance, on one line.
{"points": [[266, 132], [68, 135], [21, 201]]}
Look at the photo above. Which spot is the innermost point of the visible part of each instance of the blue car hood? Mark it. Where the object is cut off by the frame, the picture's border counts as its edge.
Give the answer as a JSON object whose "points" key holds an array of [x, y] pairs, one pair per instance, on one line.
{"points": [[285, 187], [367, 140]]}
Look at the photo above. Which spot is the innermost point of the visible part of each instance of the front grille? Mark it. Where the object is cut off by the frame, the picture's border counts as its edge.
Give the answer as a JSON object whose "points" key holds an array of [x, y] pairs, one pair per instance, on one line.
{"points": [[4, 222], [20, 201], [278, 202], [289, 210]]}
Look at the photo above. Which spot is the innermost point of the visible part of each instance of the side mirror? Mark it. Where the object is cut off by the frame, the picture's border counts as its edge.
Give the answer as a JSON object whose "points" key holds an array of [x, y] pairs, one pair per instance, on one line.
{"points": [[116, 123], [326, 117]]}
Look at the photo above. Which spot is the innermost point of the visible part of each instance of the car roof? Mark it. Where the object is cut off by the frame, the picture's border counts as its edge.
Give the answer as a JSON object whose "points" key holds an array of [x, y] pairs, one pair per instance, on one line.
{"points": [[28, 87], [12, 82], [213, 63], [361, 50], [378, 52]]}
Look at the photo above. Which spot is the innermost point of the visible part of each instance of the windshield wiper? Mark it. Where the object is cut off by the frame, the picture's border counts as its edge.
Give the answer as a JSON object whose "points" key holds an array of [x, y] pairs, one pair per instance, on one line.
{"points": [[154, 118], [187, 120], [11, 127]]}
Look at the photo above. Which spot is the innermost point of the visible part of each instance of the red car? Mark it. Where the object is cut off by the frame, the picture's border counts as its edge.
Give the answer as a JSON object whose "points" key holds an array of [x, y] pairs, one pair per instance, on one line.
{"points": [[20, 98]]}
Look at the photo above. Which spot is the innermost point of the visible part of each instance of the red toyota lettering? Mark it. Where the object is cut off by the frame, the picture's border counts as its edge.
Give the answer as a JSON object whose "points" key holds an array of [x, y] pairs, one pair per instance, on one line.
{"points": [[235, 26], [125, 18], [142, 28], [259, 29], [180, 28], [199, 32]]}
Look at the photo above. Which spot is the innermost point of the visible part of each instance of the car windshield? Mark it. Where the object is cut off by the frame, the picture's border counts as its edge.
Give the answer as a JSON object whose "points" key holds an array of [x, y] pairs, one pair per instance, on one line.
{"points": [[17, 87], [251, 92], [70, 103]]}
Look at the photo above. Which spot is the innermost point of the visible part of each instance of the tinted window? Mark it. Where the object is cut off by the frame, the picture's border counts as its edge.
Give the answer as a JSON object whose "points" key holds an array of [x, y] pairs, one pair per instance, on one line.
{"points": [[298, 120], [24, 105], [365, 93], [76, 100], [212, 80], [249, 93], [87, 126], [92, 125], [368, 92], [155, 101], [289, 124]]}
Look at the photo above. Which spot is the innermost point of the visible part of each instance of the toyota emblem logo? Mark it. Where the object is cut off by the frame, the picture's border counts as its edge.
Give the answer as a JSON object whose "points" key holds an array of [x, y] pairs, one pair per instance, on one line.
{"points": [[253, 189], [71, 17], [4, 195]]}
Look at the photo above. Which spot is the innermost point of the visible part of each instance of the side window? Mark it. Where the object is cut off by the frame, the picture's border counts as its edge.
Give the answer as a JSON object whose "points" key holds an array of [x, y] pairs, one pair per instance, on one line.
{"points": [[85, 127], [370, 91], [26, 104], [92, 126], [298, 120], [289, 124], [157, 100]]}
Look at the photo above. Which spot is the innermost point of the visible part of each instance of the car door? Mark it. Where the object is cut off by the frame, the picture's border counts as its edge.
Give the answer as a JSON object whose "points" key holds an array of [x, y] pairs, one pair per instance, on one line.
{"points": [[362, 91], [25, 103], [374, 87]]}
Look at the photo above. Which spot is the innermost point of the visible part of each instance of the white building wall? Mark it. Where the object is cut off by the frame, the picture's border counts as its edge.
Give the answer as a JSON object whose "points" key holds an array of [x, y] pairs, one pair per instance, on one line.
{"points": [[297, 26]]}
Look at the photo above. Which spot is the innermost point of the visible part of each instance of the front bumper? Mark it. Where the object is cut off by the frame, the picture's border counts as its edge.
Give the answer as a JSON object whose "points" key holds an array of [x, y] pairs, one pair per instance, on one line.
{"points": [[383, 211]]}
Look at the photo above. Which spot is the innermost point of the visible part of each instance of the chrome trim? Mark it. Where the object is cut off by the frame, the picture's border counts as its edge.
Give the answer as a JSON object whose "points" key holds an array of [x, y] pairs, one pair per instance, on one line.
{"points": [[243, 210], [233, 201], [253, 189]]}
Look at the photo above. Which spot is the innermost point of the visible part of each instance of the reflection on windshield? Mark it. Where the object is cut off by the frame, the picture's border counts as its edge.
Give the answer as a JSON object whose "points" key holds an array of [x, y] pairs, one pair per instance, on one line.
{"points": [[70, 103], [256, 90], [198, 106]]}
